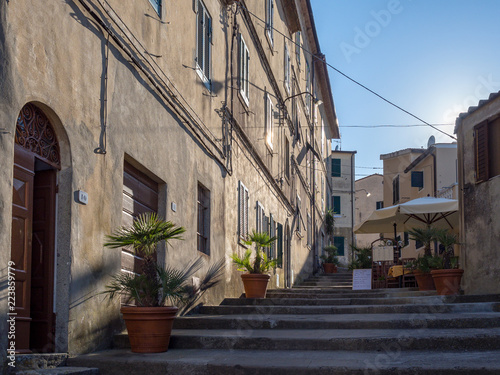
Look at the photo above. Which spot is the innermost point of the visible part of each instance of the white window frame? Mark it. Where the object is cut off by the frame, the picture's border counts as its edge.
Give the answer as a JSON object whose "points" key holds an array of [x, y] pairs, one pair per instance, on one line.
{"points": [[269, 122], [287, 63], [270, 20], [203, 62], [243, 198], [244, 58]]}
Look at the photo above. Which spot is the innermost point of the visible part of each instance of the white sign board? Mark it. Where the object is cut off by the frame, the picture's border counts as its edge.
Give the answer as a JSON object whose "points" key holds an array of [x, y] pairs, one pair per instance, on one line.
{"points": [[361, 279]]}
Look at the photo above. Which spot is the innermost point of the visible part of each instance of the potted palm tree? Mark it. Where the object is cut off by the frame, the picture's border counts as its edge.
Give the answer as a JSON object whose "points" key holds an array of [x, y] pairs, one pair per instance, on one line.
{"points": [[422, 272], [149, 321], [258, 264], [446, 274], [330, 260]]}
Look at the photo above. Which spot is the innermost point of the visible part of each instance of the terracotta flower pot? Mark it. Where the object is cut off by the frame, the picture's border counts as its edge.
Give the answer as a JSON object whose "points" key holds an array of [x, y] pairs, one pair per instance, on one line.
{"points": [[424, 280], [149, 328], [447, 281], [329, 267], [255, 285]]}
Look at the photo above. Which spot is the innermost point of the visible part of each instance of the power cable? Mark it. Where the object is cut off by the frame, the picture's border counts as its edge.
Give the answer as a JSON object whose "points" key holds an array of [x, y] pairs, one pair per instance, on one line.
{"points": [[349, 78]]}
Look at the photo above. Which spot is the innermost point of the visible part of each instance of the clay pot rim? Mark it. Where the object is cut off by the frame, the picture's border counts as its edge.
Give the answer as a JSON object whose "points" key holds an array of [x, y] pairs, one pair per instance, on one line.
{"points": [[443, 271], [145, 310], [256, 275]]}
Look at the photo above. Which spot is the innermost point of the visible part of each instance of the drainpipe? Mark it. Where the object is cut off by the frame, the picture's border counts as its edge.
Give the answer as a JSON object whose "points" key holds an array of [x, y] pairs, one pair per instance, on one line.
{"points": [[352, 204]]}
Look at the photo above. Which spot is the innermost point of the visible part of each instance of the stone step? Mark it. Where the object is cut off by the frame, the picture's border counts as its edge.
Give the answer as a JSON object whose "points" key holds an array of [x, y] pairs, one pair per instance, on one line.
{"points": [[319, 290], [361, 309], [340, 321], [327, 283], [352, 301], [49, 363], [322, 293], [475, 339], [60, 371], [386, 361]]}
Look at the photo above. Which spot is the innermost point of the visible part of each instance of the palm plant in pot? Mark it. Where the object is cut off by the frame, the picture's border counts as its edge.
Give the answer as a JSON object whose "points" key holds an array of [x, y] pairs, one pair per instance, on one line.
{"points": [[330, 260], [445, 273], [257, 265], [149, 322], [422, 272]]}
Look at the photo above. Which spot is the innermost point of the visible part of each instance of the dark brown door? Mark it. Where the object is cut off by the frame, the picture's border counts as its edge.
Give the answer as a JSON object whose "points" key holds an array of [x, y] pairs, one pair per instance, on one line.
{"points": [[22, 213], [42, 262]]}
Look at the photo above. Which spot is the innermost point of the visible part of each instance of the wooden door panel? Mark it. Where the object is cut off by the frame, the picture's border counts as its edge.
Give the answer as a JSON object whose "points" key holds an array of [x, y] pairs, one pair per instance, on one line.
{"points": [[42, 260], [22, 213]]}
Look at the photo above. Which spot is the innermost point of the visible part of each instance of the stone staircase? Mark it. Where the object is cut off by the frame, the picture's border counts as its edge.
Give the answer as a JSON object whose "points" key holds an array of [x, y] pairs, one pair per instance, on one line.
{"points": [[325, 330], [342, 280]]}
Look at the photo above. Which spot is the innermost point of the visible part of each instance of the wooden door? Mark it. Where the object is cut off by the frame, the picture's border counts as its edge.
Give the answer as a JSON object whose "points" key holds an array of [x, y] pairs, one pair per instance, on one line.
{"points": [[42, 262], [22, 213]]}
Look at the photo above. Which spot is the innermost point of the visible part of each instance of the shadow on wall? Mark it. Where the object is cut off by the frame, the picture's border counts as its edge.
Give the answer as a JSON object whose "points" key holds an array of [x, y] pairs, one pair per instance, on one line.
{"points": [[101, 34]]}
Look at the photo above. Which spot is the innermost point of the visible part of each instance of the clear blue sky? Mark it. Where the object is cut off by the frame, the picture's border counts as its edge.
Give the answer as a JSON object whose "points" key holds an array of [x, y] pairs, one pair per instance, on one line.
{"points": [[434, 58]]}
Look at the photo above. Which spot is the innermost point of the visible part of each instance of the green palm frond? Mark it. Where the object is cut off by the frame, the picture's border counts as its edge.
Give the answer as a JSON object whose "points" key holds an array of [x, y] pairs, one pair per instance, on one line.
{"points": [[143, 236], [244, 263]]}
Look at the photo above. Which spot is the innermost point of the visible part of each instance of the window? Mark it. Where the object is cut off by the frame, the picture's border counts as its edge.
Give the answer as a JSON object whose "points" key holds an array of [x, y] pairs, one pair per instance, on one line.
{"points": [[287, 158], [204, 40], [269, 121], [487, 152], [309, 230], [299, 215], [272, 233], [336, 168], [269, 20], [242, 211], [156, 6], [243, 71], [322, 194], [297, 47], [395, 190], [203, 219], [307, 97], [338, 242], [336, 205], [417, 179], [260, 225], [279, 245], [379, 205], [287, 69]]}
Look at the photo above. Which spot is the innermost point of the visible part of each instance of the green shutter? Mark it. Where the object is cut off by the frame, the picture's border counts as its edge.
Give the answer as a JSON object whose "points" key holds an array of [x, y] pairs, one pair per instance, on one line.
{"points": [[338, 242], [336, 204], [279, 257], [336, 169]]}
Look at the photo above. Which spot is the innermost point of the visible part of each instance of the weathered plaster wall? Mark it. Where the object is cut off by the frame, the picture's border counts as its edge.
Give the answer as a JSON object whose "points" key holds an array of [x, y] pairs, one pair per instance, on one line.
{"points": [[365, 205], [480, 205]]}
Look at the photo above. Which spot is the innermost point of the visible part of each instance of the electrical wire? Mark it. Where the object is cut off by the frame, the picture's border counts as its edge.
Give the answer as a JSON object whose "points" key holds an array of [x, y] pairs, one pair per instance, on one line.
{"points": [[349, 78]]}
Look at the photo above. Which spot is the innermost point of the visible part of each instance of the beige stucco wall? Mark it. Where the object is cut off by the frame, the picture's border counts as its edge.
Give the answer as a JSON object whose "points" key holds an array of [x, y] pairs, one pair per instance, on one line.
{"points": [[365, 205], [480, 207], [54, 57]]}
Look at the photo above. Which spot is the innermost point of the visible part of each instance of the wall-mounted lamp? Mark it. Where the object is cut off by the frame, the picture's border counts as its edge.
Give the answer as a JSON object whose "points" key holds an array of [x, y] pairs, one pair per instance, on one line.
{"points": [[316, 100], [367, 192]]}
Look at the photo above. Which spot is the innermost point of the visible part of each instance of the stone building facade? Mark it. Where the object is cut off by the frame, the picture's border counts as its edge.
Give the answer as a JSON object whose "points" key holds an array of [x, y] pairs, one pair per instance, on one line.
{"points": [[341, 176], [112, 108], [369, 196], [478, 133], [415, 173]]}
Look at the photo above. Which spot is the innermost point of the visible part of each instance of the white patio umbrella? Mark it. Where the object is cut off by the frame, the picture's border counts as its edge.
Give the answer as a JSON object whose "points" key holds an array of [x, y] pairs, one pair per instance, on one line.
{"points": [[420, 212]]}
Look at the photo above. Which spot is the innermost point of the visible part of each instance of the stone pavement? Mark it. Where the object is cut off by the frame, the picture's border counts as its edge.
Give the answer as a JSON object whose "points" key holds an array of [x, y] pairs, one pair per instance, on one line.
{"points": [[322, 327]]}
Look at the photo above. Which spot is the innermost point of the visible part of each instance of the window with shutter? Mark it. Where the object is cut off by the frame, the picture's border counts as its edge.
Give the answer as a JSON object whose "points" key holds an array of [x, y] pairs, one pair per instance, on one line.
{"points": [[299, 215], [203, 233], [336, 204], [338, 242], [395, 190], [481, 151], [261, 217], [336, 168], [269, 20], [269, 122], [297, 47], [243, 74], [156, 6], [287, 69], [242, 211], [204, 40], [279, 245]]}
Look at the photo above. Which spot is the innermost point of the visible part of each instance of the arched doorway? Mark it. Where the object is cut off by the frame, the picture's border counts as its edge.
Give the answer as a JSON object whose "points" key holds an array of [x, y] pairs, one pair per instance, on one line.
{"points": [[36, 162]]}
